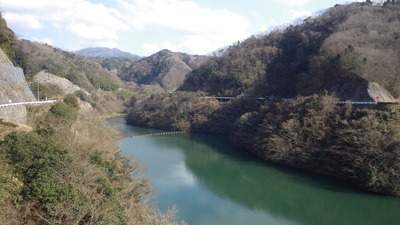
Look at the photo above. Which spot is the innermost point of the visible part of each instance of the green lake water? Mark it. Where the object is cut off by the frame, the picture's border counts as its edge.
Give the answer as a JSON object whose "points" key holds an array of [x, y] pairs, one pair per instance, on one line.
{"points": [[211, 182]]}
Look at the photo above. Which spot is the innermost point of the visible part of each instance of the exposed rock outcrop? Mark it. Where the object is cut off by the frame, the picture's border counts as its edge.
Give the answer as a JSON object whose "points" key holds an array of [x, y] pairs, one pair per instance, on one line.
{"points": [[361, 91], [13, 88], [64, 85]]}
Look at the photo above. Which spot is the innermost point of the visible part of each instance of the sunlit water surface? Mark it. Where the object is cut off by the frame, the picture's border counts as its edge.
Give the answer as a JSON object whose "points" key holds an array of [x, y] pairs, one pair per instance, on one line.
{"points": [[211, 182]]}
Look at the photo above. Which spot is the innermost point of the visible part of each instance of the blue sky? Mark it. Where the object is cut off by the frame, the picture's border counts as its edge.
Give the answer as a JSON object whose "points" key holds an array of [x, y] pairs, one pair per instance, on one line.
{"points": [[144, 27]]}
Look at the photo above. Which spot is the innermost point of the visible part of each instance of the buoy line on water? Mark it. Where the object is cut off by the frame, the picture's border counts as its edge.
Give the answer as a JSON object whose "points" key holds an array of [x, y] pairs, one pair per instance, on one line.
{"points": [[156, 134]]}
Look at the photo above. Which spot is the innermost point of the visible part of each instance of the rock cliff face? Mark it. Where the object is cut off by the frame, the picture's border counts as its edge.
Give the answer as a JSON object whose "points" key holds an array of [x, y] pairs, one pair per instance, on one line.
{"points": [[361, 91], [13, 88], [64, 85]]}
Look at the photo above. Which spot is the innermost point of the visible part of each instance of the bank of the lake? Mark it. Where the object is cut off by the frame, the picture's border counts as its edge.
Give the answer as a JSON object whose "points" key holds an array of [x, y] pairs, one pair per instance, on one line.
{"points": [[211, 182]]}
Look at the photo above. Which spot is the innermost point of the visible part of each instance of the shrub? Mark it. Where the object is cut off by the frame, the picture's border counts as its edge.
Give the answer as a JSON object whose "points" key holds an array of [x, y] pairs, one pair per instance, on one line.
{"points": [[10, 186], [315, 134], [125, 94], [37, 161], [71, 100], [64, 110], [76, 78], [106, 83], [81, 95], [106, 166], [178, 111]]}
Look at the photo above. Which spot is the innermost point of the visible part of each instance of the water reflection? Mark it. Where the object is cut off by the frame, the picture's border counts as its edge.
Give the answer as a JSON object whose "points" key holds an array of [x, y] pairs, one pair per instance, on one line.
{"points": [[213, 183]]}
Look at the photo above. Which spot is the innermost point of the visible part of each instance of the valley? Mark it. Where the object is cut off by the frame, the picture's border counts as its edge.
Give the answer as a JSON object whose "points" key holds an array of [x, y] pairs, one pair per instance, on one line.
{"points": [[313, 100]]}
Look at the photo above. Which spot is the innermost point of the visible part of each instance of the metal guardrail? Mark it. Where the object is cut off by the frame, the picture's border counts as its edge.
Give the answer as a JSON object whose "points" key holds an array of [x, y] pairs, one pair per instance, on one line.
{"points": [[356, 103], [290, 100], [27, 103]]}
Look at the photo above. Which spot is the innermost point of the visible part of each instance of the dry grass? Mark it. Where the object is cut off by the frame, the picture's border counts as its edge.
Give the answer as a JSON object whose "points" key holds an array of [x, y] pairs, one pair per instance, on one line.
{"points": [[109, 189], [8, 127]]}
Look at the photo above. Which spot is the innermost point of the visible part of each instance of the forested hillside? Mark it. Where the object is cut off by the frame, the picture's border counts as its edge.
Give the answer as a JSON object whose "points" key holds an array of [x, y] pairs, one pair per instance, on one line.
{"points": [[106, 90], [7, 40], [165, 69], [348, 51], [52, 175], [80, 70], [63, 167], [114, 64], [350, 43]]}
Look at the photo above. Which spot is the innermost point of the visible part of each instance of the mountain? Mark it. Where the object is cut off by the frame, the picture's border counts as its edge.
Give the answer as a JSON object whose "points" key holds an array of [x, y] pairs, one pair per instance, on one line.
{"points": [[101, 84], [339, 51], [62, 167], [115, 64], [103, 52], [348, 52], [165, 68]]}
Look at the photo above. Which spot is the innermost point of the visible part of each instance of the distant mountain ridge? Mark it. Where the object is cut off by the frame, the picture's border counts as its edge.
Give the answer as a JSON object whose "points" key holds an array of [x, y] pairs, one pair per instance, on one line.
{"points": [[166, 69], [103, 52], [100, 83]]}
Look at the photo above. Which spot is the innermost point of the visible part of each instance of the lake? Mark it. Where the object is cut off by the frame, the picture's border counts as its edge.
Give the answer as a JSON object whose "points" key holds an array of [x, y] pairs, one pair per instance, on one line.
{"points": [[210, 181]]}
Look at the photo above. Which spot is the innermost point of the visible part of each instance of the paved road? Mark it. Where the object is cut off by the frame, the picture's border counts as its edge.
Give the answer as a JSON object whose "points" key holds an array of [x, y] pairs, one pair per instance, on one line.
{"points": [[27, 103]]}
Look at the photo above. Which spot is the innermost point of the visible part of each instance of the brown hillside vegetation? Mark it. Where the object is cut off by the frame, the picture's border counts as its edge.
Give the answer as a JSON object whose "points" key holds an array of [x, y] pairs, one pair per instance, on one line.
{"points": [[78, 69], [366, 46], [346, 43], [314, 134], [166, 69], [114, 64], [348, 51], [106, 90], [7, 39], [69, 171]]}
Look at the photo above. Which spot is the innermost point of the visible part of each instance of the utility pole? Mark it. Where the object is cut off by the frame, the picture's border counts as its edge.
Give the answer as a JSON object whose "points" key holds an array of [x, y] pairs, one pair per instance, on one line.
{"points": [[38, 96]]}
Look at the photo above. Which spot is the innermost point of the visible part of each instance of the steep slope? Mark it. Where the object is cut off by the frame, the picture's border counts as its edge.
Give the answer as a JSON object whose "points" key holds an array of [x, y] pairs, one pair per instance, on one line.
{"points": [[63, 168], [81, 71], [115, 64], [165, 68], [13, 89], [65, 86], [13, 86], [355, 43], [365, 46], [7, 39], [103, 52], [350, 51]]}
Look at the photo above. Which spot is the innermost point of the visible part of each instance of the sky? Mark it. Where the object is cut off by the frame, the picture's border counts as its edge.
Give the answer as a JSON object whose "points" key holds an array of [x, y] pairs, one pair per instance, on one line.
{"points": [[144, 27]]}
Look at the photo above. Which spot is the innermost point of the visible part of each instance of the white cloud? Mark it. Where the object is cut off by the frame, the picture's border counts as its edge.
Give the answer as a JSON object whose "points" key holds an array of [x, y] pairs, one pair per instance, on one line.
{"points": [[82, 18], [23, 21], [108, 44], [202, 29], [293, 2], [195, 44], [92, 32], [263, 28], [298, 13], [152, 47], [43, 40], [180, 25]]}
